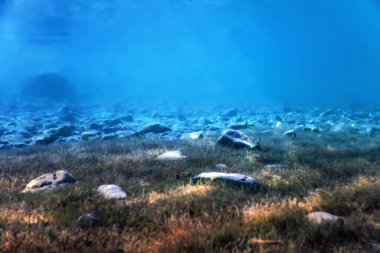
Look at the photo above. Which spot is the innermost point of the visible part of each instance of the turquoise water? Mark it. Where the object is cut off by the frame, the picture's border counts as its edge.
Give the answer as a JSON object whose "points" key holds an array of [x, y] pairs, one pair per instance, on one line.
{"points": [[232, 52]]}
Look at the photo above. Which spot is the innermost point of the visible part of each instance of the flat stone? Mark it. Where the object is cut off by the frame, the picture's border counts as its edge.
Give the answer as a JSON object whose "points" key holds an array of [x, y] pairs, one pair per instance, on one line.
{"points": [[44, 139], [321, 217], [221, 177], [49, 181], [236, 139], [222, 167], [171, 155], [90, 135], [156, 128], [230, 113], [192, 136], [65, 131], [276, 166], [109, 136], [111, 191], [290, 133], [239, 126], [88, 220], [19, 144]]}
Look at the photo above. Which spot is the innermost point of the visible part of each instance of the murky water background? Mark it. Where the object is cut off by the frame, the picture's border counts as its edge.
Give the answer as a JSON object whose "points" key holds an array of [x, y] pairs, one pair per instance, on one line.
{"points": [[303, 53]]}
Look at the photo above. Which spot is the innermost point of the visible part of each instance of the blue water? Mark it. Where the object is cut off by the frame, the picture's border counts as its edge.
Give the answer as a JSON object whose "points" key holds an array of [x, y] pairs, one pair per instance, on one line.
{"points": [[233, 52]]}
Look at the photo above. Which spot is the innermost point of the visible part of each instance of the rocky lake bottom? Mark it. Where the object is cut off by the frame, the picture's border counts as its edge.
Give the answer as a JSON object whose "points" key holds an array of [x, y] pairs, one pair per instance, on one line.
{"points": [[190, 179]]}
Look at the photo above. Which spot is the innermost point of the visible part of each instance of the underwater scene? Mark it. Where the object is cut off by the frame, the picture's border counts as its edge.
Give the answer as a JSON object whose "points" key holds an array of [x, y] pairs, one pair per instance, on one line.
{"points": [[190, 126]]}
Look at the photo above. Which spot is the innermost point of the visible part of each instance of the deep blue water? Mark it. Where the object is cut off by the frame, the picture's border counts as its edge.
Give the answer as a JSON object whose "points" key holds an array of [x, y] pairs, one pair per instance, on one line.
{"points": [[291, 53]]}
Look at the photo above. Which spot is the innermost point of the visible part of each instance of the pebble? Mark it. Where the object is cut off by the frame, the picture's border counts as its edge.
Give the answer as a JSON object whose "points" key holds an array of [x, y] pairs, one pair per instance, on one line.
{"points": [[321, 217], [229, 178], [171, 156], [111, 191]]}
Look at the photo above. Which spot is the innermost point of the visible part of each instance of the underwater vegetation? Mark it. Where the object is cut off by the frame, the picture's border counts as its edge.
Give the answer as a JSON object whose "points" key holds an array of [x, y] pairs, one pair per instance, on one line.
{"points": [[138, 193]]}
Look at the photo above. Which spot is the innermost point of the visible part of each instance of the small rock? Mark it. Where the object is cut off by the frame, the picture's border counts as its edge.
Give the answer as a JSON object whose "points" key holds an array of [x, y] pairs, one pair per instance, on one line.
{"points": [[4, 142], [236, 139], [87, 220], [327, 113], [192, 136], [25, 134], [112, 191], [181, 117], [229, 178], [320, 217], [222, 167], [45, 139], [2, 130], [65, 131], [204, 121], [290, 133], [156, 128], [239, 126], [171, 155], [90, 135], [276, 166], [95, 126], [108, 130], [109, 136], [230, 113], [128, 117], [65, 114], [19, 144], [113, 122], [50, 181]]}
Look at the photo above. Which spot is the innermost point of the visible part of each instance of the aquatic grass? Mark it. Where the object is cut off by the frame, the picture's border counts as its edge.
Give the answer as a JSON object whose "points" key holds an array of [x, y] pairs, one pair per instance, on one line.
{"points": [[164, 213]]}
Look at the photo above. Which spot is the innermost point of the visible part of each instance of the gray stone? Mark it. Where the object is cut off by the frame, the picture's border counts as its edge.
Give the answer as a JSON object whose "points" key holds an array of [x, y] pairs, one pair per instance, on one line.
{"points": [[171, 156], [156, 128], [88, 220], [110, 136], [327, 113], [323, 217], [290, 133], [227, 178], [50, 181], [25, 134], [113, 122], [90, 135], [239, 126], [2, 130], [112, 191], [236, 139], [96, 126], [230, 113], [204, 121], [222, 167], [65, 131], [192, 136], [128, 118], [19, 144], [45, 139]]}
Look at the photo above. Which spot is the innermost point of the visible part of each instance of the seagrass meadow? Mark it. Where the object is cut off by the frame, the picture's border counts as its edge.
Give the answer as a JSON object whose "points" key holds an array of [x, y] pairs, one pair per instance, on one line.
{"points": [[163, 212]]}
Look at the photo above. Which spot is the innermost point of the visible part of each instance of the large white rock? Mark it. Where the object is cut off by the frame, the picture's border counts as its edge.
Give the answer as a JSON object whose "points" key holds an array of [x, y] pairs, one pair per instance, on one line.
{"points": [[320, 217], [49, 181], [171, 155], [111, 191], [232, 178]]}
